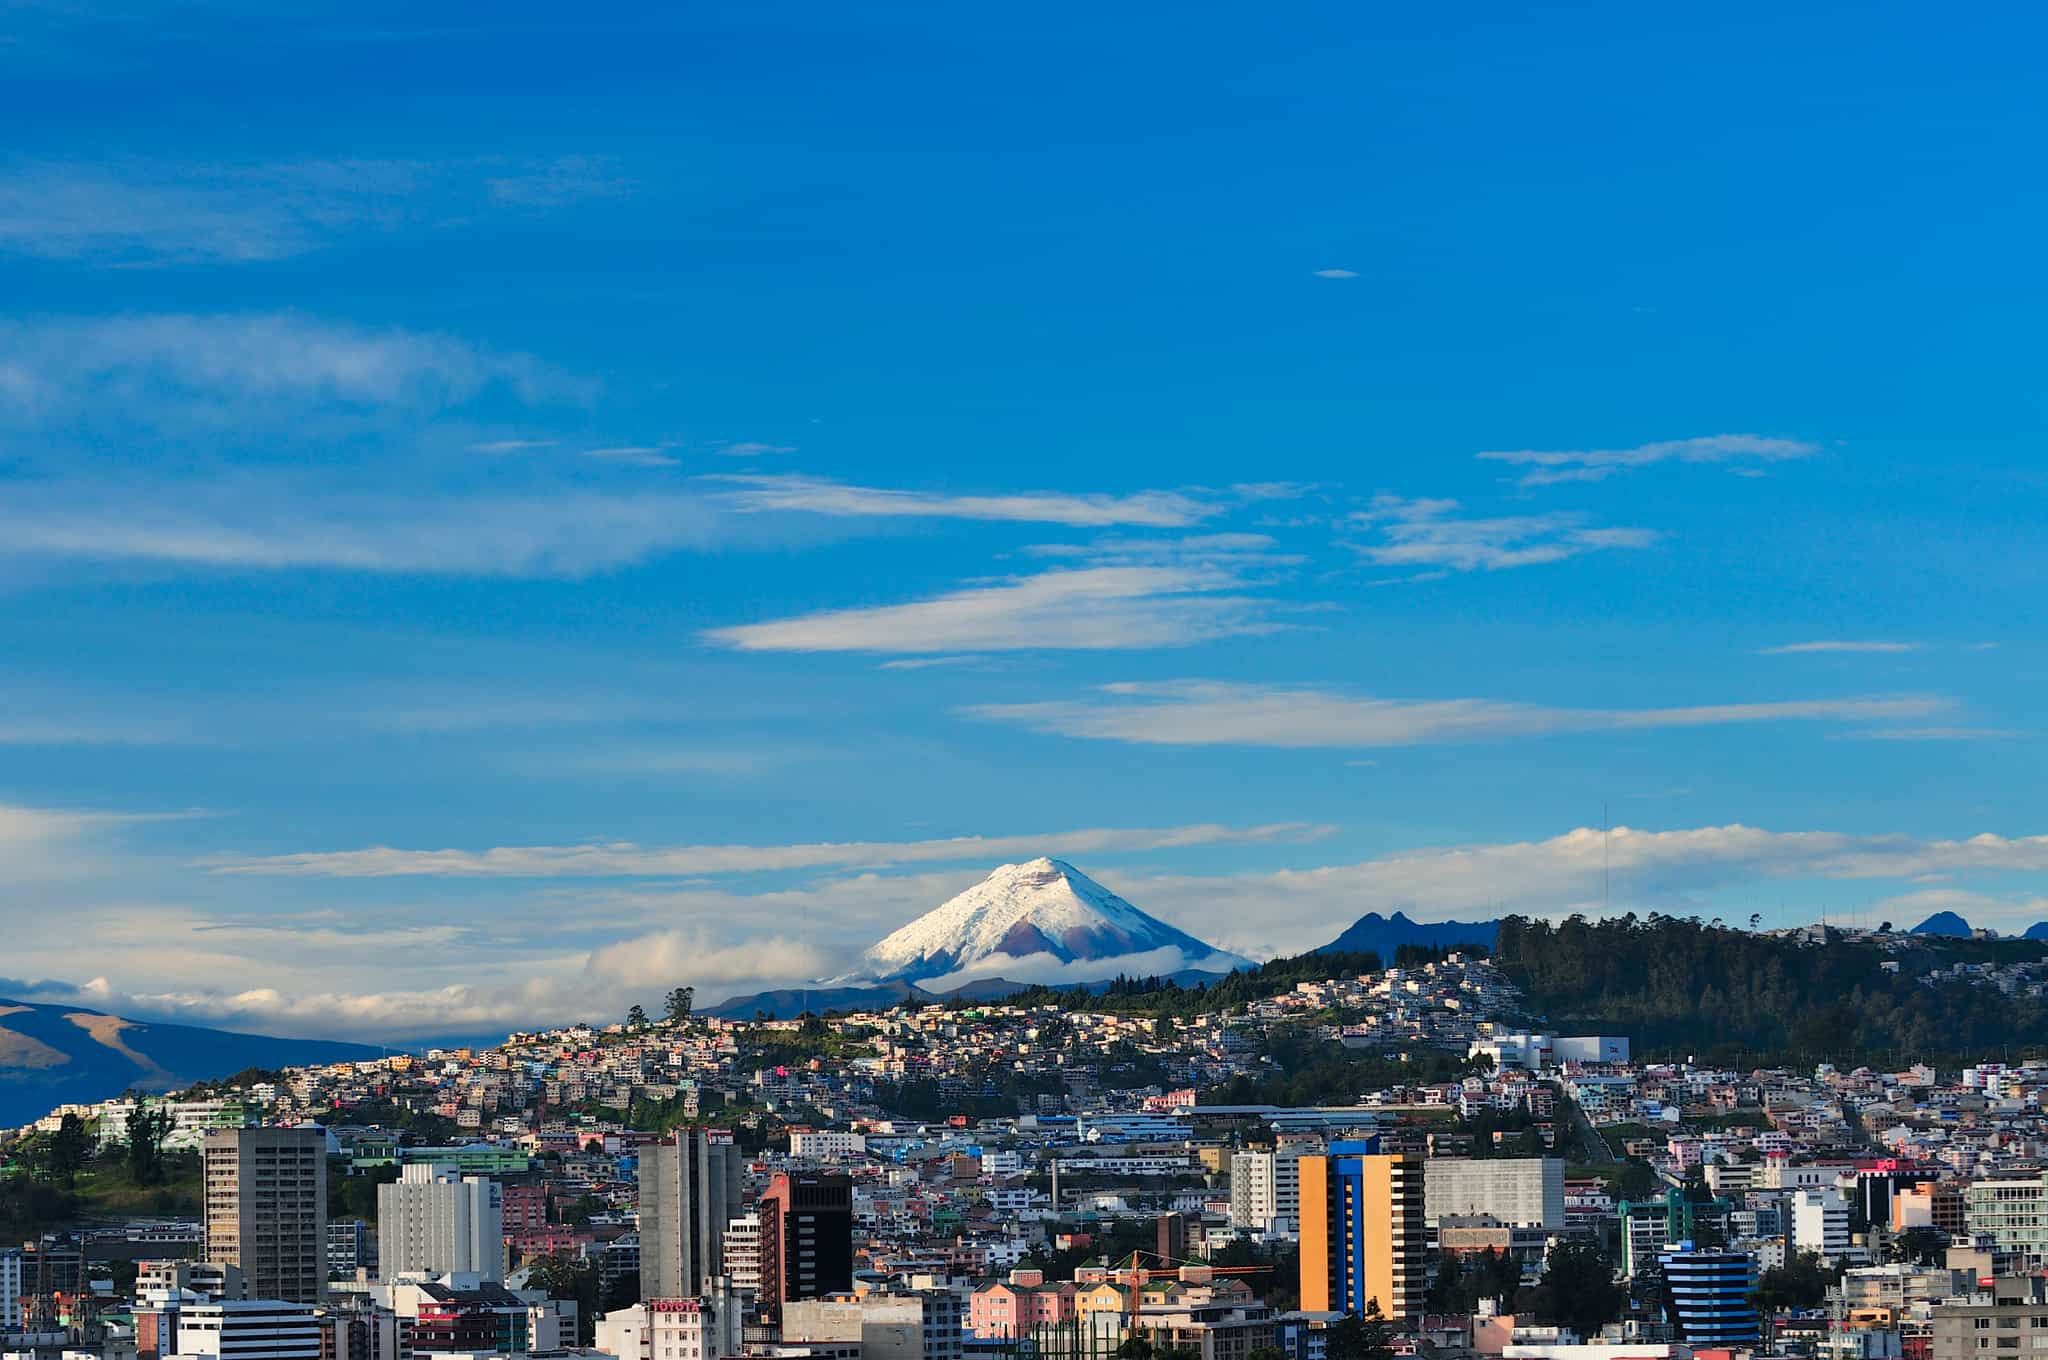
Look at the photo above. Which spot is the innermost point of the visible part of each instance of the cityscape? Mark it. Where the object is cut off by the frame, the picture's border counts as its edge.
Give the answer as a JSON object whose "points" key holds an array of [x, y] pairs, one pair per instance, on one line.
{"points": [[1132, 1170], [774, 680]]}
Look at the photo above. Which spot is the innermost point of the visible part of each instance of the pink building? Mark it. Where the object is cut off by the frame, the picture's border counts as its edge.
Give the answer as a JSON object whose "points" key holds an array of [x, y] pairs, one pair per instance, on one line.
{"points": [[1014, 1307]]}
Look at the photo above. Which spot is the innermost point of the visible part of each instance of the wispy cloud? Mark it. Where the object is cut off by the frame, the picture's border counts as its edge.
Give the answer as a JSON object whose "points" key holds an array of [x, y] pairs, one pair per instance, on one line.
{"points": [[1089, 609], [504, 446], [1936, 734], [274, 526], [141, 367], [809, 495], [214, 213], [635, 455], [556, 183], [1209, 713], [1745, 452], [20, 727], [49, 843], [1336, 274], [1233, 551], [925, 663], [1803, 648], [1431, 534], [623, 859]]}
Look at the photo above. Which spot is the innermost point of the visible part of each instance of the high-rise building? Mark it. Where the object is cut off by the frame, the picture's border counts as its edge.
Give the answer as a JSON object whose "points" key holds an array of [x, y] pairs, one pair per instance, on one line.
{"points": [[806, 1238], [689, 1191], [2012, 1212], [1362, 1237], [1651, 1225], [266, 1209], [351, 1246], [251, 1329], [1709, 1296], [1265, 1189], [1520, 1192], [1820, 1223], [438, 1221], [10, 1289], [743, 1254]]}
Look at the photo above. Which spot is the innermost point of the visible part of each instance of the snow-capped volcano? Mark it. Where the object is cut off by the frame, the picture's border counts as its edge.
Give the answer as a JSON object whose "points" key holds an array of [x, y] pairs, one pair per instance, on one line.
{"points": [[1039, 921]]}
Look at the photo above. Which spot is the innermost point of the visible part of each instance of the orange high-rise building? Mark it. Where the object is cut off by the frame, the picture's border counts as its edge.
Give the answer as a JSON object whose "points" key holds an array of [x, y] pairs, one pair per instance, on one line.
{"points": [[1362, 1239]]}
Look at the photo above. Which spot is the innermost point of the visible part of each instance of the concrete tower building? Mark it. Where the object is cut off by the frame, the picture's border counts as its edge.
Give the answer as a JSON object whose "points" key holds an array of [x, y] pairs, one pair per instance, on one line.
{"points": [[266, 1209], [689, 1191], [435, 1220]]}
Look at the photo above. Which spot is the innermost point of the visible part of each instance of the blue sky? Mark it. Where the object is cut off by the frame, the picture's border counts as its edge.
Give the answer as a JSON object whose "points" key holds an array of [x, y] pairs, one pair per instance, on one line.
{"points": [[503, 512]]}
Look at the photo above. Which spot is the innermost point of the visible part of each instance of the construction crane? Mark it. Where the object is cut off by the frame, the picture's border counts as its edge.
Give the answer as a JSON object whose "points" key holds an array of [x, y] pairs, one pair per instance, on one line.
{"points": [[1191, 1272]]}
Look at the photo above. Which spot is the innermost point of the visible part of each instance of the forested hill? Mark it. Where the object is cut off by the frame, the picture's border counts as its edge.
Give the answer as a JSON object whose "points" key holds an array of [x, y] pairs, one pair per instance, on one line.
{"points": [[1679, 986]]}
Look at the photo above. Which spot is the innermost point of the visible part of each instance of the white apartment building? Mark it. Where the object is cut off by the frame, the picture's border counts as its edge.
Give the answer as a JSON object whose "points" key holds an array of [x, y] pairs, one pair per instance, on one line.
{"points": [[1782, 1175], [826, 1143], [1820, 1223], [1265, 1189], [1515, 1191], [435, 1221], [743, 1254]]}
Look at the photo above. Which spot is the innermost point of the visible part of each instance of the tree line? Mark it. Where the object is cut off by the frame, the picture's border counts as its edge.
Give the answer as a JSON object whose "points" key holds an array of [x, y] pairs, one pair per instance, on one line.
{"points": [[1672, 982]]}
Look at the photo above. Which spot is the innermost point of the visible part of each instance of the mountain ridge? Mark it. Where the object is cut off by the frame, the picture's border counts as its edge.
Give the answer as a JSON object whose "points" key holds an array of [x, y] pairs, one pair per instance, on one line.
{"points": [[1383, 935], [59, 1054]]}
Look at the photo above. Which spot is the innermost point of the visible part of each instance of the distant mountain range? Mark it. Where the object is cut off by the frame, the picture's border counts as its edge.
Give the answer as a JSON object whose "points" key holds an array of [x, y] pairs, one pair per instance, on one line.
{"points": [[1373, 933], [52, 1055], [1948, 925]]}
